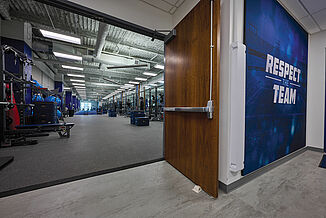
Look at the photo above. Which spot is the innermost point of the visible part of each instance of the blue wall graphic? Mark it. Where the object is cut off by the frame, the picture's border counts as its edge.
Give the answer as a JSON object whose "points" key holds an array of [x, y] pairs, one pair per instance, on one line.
{"points": [[276, 80]]}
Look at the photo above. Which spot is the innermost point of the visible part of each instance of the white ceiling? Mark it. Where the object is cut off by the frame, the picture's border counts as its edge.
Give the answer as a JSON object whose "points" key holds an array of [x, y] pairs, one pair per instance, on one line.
{"points": [[168, 6], [311, 14]]}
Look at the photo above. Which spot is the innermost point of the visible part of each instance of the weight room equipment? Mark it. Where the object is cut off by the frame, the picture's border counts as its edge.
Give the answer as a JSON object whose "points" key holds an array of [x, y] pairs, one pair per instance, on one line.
{"points": [[17, 118]]}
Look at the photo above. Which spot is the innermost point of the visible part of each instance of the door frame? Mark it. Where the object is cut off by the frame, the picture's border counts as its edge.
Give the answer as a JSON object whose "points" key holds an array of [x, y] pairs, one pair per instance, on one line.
{"points": [[325, 106]]}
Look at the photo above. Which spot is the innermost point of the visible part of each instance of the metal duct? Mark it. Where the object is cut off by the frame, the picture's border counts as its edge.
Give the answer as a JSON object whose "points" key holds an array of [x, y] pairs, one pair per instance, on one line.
{"points": [[128, 66], [117, 62], [90, 58], [110, 80], [103, 31]]}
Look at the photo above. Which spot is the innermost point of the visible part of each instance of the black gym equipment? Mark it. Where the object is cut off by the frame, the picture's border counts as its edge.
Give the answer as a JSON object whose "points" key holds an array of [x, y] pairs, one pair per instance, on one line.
{"points": [[112, 113], [63, 129], [141, 121], [158, 108], [44, 118], [135, 114]]}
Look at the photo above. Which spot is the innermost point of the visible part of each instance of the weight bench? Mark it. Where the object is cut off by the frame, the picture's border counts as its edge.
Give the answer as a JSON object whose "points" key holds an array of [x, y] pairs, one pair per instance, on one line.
{"points": [[63, 129]]}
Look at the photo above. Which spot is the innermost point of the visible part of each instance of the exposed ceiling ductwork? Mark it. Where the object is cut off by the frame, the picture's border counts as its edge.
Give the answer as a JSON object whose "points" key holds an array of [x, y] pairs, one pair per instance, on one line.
{"points": [[115, 62], [109, 54], [103, 32]]}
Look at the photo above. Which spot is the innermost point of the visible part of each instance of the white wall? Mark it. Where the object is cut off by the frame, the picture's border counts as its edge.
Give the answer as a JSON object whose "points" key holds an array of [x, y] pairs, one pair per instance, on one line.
{"points": [[134, 11], [316, 90], [231, 31], [224, 123]]}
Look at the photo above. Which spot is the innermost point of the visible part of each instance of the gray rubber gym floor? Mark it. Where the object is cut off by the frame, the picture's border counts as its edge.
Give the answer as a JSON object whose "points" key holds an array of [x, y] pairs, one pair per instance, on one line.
{"points": [[97, 143]]}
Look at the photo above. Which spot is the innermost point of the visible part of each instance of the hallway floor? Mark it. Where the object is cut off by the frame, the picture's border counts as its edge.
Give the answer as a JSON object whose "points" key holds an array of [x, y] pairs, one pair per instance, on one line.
{"points": [[294, 189]]}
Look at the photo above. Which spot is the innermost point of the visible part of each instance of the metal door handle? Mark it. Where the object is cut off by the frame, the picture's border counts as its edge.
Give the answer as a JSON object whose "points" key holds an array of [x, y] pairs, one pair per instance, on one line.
{"points": [[209, 109]]}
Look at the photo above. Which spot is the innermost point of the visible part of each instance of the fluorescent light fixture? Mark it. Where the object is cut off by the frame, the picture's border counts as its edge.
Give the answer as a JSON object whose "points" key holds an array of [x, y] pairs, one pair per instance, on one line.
{"points": [[72, 68], [125, 87], [80, 87], [76, 75], [59, 36], [159, 66], [128, 85], [161, 81], [66, 88], [152, 84], [140, 79], [133, 82], [67, 56], [77, 80], [78, 84], [149, 74], [105, 84]]}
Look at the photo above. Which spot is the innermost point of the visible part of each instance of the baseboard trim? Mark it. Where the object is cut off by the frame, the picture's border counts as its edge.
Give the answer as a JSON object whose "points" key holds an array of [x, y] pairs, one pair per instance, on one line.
{"points": [[310, 148], [74, 178], [228, 188]]}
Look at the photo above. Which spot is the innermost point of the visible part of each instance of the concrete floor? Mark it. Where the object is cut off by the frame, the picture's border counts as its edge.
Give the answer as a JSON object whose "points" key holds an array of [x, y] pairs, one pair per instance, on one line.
{"points": [[97, 143], [294, 189]]}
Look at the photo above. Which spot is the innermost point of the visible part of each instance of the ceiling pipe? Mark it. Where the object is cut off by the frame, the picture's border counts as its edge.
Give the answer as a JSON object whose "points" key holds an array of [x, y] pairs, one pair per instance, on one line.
{"points": [[90, 58], [110, 80], [128, 66], [103, 32]]}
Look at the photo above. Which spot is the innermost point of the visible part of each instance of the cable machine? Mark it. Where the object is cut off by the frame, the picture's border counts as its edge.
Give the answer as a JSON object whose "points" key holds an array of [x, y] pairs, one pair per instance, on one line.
{"points": [[15, 113]]}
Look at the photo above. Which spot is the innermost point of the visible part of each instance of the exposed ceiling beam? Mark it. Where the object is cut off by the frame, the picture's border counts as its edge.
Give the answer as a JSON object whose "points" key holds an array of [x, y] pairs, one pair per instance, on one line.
{"points": [[44, 23]]}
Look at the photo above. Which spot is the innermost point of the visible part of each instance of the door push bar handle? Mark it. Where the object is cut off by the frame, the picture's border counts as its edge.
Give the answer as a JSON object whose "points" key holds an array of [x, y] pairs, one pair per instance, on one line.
{"points": [[186, 109], [209, 109]]}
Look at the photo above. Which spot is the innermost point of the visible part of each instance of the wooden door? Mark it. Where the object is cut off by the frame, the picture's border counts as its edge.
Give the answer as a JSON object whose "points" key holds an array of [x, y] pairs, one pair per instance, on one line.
{"points": [[191, 139]]}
